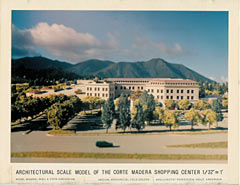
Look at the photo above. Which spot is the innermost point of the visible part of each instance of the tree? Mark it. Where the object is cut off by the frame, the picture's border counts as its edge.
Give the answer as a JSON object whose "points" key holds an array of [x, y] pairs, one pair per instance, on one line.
{"points": [[159, 112], [184, 104], [225, 104], [201, 105], [193, 117], [170, 119], [124, 112], [216, 107], [138, 119], [108, 113], [169, 104], [148, 104], [210, 117]]}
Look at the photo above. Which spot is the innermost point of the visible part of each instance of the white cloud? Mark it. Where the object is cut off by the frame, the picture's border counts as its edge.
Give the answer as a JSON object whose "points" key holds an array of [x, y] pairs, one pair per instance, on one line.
{"points": [[212, 78], [161, 48], [223, 79], [65, 42]]}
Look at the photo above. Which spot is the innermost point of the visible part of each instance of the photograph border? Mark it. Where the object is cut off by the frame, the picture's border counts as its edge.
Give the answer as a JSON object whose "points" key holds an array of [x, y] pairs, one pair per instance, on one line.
{"points": [[231, 170]]}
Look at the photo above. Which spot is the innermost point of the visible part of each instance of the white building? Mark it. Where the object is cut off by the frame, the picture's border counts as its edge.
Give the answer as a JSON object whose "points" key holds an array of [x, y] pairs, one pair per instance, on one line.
{"points": [[161, 88]]}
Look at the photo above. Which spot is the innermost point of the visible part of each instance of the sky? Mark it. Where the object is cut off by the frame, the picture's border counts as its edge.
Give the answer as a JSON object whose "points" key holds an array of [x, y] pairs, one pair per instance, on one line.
{"points": [[198, 40]]}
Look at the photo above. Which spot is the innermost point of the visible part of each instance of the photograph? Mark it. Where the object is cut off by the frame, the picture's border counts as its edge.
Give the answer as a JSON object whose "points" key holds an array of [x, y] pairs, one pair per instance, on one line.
{"points": [[114, 86]]}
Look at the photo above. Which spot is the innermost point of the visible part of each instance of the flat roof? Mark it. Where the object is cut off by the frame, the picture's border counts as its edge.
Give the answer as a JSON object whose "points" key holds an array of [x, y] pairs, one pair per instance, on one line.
{"points": [[172, 80]]}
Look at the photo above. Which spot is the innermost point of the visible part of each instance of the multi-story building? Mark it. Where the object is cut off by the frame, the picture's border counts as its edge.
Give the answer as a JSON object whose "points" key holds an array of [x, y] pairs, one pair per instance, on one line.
{"points": [[161, 88]]}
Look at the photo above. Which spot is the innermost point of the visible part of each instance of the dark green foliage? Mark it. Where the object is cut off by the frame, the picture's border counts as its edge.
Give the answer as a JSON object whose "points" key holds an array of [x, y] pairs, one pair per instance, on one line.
{"points": [[148, 104], [138, 119], [124, 112], [60, 112], [155, 68], [108, 113]]}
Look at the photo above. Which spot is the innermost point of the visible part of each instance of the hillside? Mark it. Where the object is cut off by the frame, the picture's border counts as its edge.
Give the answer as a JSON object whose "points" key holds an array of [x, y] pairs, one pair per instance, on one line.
{"points": [[154, 68]]}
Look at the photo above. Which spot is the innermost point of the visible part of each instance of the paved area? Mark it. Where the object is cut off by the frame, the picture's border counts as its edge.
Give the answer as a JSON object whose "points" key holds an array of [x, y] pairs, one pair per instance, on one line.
{"points": [[38, 140]]}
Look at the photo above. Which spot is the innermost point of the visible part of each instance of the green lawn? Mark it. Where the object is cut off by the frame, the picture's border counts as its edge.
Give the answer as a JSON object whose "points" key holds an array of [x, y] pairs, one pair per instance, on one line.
{"points": [[202, 145], [118, 156]]}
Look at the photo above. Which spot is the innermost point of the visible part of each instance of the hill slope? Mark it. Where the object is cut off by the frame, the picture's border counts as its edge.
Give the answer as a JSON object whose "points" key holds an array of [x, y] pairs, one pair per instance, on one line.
{"points": [[154, 68]]}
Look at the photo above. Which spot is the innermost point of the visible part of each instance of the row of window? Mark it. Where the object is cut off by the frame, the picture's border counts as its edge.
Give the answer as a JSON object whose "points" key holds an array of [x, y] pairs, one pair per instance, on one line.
{"points": [[100, 95], [130, 88], [177, 97], [170, 91], [97, 89]]}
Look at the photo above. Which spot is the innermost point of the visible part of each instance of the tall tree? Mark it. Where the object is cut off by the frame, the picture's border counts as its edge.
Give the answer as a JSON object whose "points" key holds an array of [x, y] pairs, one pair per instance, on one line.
{"points": [[138, 119], [108, 113], [148, 103], [124, 112]]}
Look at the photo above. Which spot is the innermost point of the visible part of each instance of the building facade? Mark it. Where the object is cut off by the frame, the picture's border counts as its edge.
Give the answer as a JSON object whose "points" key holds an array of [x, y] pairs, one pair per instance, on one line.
{"points": [[161, 88]]}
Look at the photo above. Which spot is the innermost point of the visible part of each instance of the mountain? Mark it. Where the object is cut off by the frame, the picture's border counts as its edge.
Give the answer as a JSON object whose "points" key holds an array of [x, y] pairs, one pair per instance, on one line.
{"points": [[89, 67], [39, 63], [154, 68]]}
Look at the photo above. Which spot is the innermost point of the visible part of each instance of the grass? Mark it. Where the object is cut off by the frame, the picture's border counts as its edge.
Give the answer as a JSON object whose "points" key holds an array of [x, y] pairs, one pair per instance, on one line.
{"points": [[118, 156], [202, 145], [61, 132], [133, 133]]}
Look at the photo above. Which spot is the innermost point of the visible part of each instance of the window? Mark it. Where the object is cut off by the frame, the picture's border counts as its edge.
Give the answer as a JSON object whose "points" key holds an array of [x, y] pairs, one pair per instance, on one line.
{"points": [[87, 88], [188, 97], [161, 91], [87, 94], [129, 87], [177, 97], [106, 95], [171, 97], [148, 90], [121, 87], [124, 87], [98, 94], [98, 89], [167, 91], [90, 94], [192, 91], [133, 87], [103, 89], [103, 95], [95, 94], [90, 89], [192, 97], [161, 97], [157, 97], [187, 91], [171, 90], [152, 90], [181, 97], [181, 91], [95, 88], [177, 91], [167, 97], [138, 87], [142, 88], [116, 87]]}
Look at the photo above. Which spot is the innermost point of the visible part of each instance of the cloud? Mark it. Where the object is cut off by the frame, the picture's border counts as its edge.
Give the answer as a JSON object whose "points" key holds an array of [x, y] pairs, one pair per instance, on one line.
{"points": [[223, 79], [212, 78], [174, 50], [22, 43], [65, 43], [61, 41]]}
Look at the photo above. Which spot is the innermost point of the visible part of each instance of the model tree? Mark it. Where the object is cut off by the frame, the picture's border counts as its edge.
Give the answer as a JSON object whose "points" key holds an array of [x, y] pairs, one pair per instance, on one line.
{"points": [[124, 112], [138, 119], [193, 117], [210, 117], [170, 119], [108, 113]]}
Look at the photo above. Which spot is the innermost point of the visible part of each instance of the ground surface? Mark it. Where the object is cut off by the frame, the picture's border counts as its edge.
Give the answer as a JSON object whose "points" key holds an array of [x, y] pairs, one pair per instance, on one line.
{"points": [[39, 140]]}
